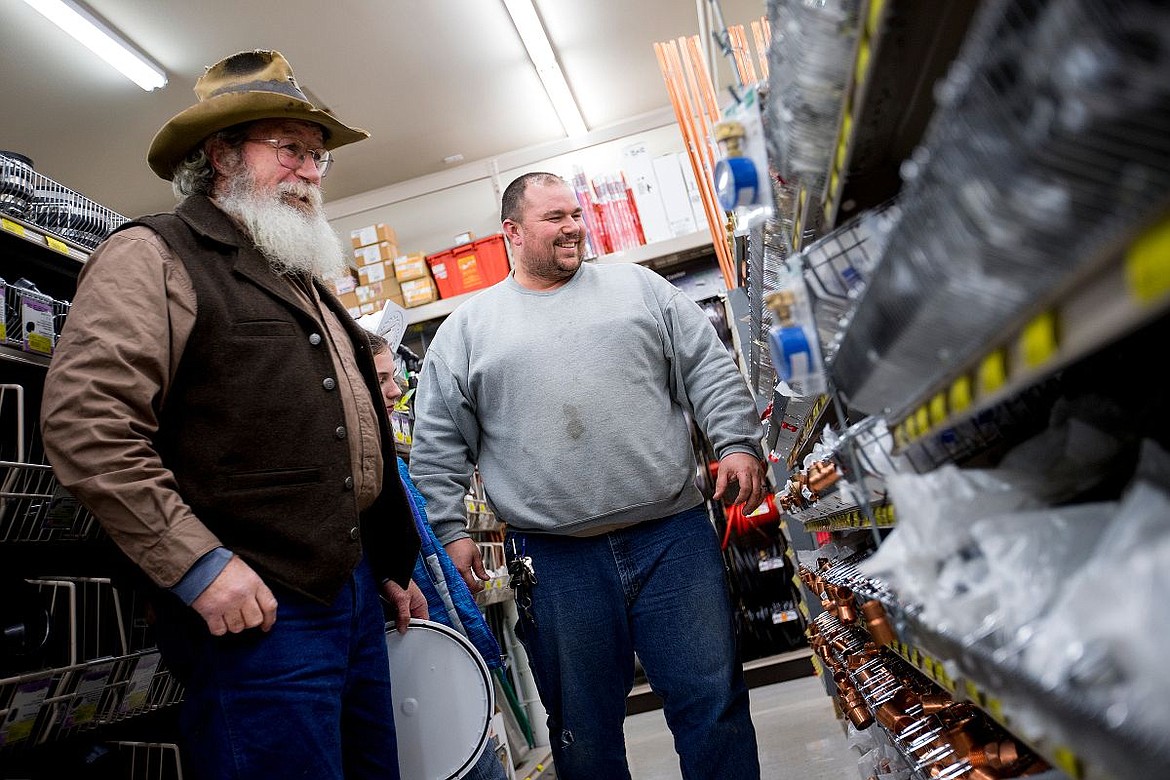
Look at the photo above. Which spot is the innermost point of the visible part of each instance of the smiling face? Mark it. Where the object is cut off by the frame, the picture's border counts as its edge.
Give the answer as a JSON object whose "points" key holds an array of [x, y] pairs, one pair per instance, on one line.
{"points": [[549, 237]]}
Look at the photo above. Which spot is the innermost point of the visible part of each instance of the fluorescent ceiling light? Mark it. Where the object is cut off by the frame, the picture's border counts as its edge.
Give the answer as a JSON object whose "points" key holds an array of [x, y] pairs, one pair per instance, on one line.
{"points": [[102, 41], [540, 52]]}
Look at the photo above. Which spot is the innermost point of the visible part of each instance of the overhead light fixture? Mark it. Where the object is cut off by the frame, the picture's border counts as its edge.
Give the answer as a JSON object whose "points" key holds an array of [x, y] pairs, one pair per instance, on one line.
{"points": [[74, 19], [540, 52]]}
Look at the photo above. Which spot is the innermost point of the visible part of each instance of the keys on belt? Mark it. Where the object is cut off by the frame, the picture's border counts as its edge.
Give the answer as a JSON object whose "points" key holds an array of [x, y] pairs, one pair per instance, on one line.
{"points": [[522, 578]]}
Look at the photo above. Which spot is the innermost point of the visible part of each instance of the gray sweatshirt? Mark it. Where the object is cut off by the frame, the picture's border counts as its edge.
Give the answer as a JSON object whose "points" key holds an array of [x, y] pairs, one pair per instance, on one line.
{"points": [[573, 403]]}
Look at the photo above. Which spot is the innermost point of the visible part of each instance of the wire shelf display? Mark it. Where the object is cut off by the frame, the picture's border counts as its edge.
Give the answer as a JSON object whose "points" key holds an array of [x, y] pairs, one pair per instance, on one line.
{"points": [[34, 197], [44, 706], [1037, 170]]}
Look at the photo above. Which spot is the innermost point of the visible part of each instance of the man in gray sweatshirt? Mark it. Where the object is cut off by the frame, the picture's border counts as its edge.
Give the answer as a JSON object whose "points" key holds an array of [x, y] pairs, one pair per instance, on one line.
{"points": [[569, 385]]}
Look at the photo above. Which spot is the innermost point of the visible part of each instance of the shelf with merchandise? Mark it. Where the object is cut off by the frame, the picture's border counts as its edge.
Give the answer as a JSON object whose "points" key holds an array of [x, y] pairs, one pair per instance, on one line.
{"points": [[679, 247]]}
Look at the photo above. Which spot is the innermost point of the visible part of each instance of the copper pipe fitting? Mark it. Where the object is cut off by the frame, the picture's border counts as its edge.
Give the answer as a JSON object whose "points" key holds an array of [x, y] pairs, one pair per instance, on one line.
{"points": [[935, 702], [878, 622], [1002, 754]]}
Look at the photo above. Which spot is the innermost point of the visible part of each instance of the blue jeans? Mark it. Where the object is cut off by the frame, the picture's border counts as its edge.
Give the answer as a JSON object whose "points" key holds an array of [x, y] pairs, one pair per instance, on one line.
{"points": [[308, 699], [658, 589]]}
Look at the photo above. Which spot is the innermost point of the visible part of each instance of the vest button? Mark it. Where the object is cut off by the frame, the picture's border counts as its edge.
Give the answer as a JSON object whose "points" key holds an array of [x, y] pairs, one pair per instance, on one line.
{"points": [[315, 339], [348, 483], [340, 432], [329, 383], [354, 533]]}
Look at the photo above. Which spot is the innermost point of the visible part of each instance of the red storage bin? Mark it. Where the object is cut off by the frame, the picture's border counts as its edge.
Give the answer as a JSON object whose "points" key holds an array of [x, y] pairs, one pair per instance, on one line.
{"points": [[469, 267]]}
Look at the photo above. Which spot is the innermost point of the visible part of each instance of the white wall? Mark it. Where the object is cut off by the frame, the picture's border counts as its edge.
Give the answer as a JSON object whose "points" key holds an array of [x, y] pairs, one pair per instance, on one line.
{"points": [[427, 213]]}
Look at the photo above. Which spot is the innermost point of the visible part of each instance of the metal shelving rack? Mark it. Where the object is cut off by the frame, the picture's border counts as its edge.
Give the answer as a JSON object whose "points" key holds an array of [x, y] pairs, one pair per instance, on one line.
{"points": [[93, 667], [934, 132]]}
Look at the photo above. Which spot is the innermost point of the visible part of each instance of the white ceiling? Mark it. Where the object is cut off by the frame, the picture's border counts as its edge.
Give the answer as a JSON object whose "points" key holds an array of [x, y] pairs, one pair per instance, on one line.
{"points": [[427, 78]]}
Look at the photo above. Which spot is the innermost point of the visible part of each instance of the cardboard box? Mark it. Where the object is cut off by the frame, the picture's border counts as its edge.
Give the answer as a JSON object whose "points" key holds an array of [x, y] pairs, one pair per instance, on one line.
{"points": [[375, 272], [416, 292], [339, 285], [372, 234], [375, 253], [350, 300], [411, 266]]}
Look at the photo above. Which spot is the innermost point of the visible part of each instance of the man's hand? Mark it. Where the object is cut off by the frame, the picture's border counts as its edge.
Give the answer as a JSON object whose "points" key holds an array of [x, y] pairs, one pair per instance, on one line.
{"points": [[747, 472], [464, 553], [235, 600], [407, 603]]}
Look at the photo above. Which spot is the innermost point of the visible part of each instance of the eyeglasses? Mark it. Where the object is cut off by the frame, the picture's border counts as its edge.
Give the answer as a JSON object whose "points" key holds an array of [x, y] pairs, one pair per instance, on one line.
{"points": [[292, 153]]}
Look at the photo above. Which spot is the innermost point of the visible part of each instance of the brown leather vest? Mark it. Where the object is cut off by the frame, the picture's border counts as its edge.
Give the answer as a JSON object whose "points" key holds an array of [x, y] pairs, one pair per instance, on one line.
{"points": [[253, 429]]}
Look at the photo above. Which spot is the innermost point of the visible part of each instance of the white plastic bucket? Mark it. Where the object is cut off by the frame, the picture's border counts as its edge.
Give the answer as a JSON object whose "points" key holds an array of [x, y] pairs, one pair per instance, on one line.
{"points": [[443, 700]]}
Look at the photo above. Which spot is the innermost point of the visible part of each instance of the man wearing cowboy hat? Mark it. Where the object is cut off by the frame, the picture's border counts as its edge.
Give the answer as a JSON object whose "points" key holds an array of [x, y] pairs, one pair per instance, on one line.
{"points": [[218, 411]]}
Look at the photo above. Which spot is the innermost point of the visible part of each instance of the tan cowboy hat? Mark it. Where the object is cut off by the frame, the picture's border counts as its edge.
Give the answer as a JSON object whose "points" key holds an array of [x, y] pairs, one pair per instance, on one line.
{"points": [[244, 87]]}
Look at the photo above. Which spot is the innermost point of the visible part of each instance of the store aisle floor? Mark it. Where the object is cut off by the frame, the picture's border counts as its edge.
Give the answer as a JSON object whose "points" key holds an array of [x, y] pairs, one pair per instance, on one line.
{"points": [[799, 737]]}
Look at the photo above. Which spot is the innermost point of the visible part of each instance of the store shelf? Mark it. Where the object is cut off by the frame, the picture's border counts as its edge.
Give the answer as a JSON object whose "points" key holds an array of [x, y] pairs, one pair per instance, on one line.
{"points": [[670, 249], [15, 355], [37, 236], [675, 249], [495, 591], [854, 518], [1130, 290], [1067, 731], [904, 47]]}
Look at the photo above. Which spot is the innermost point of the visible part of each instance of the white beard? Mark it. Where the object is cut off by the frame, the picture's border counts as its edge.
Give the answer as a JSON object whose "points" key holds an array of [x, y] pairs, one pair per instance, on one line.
{"points": [[292, 241]]}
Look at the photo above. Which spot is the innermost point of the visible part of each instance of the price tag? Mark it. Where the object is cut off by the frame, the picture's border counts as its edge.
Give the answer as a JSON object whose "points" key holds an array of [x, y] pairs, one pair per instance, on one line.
{"points": [[783, 616], [959, 396], [1038, 342], [993, 372], [57, 245], [874, 16], [938, 409], [1147, 264], [11, 226], [1068, 763], [922, 419]]}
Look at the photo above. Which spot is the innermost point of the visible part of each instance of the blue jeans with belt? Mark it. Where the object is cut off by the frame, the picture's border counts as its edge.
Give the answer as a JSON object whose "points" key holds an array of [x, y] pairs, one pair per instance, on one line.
{"points": [[308, 699], [657, 589]]}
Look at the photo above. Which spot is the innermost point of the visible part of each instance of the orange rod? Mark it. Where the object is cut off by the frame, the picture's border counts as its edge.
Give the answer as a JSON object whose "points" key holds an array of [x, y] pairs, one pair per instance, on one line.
{"points": [[702, 78], [761, 48], [745, 53], [668, 62]]}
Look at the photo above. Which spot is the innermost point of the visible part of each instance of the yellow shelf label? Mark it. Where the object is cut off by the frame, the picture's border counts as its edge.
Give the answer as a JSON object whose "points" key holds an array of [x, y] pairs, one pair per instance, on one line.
{"points": [[959, 396], [11, 226], [972, 692], [1068, 763], [1038, 342], [862, 70], [992, 372], [1147, 264], [57, 245], [843, 141], [938, 409], [922, 419], [995, 707], [875, 14]]}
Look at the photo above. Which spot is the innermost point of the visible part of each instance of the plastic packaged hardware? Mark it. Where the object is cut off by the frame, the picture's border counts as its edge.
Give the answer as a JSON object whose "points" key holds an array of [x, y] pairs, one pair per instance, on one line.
{"points": [[792, 338]]}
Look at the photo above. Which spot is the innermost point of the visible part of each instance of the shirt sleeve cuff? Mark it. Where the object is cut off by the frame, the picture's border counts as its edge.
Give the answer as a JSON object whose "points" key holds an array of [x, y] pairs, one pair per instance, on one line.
{"points": [[199, 576]]}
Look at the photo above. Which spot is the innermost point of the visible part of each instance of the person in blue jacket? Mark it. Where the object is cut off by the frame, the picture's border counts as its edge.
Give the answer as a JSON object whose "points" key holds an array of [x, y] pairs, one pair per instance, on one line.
{"points": [[449, 600]]}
